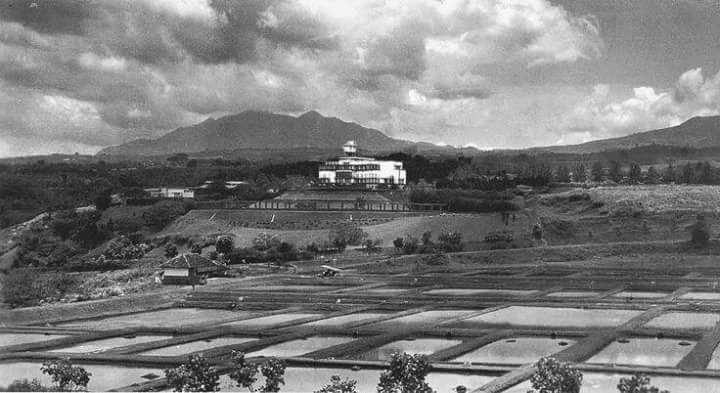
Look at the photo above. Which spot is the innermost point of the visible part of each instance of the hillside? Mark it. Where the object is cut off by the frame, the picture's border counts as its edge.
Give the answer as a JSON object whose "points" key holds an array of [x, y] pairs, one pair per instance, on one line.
{"points": [[263, 130], [698, 132]]}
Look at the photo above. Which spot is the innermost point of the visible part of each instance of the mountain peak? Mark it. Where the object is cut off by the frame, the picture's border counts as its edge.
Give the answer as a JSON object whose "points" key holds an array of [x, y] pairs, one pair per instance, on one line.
{"points": [[311, 114]]}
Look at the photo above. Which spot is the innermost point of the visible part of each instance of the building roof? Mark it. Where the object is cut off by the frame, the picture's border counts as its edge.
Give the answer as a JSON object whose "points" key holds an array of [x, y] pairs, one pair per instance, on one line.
{"points": [[186, 261]]}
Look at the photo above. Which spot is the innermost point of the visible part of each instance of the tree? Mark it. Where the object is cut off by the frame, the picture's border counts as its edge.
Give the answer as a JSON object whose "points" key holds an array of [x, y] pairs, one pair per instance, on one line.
{"points": [[195, 375], [700, 232], [635, 172], [615, 172], [426, 238], [338, 385], [398, 243], [103, 200], [580, 173], [224, 244], [553, 376], [372, 246], [563, 174], [597, 171], [245, 374], [406, 374], [196, 248], [171, 250], [65, 376], [652, 176], [638, 383], [273, 370], [265, 241]]}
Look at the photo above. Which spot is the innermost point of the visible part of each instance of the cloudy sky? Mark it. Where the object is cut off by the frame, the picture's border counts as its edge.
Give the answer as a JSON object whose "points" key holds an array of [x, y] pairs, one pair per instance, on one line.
{"points": [[78, 75]]}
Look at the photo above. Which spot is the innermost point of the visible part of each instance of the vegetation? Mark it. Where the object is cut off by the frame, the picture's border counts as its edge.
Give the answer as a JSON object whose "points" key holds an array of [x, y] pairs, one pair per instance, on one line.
{"points": [[638, 383], [245, 374], [24, 287], [700, 232], [195, 375], [25, 385], [65, 376], [406, 373], [553, 376], [338, 385]]}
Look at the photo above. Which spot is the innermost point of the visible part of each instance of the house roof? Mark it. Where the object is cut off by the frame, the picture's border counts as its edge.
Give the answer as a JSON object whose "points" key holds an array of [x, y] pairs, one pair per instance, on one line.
{"points": [[190, 260]]}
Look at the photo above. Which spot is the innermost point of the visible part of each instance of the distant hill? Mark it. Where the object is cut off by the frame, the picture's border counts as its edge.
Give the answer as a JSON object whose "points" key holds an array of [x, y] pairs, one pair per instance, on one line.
{"points": [[252, 130], [698, 132]]}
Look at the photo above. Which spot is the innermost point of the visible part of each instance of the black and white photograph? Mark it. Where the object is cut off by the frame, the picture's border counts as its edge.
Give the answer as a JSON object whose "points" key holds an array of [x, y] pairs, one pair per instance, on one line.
{"points": [[360, 196]]}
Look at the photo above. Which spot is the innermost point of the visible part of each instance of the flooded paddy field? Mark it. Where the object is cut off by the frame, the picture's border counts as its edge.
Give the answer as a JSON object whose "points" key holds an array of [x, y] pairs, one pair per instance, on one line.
{"points": [[174, 317], [515, 350], [420, 346], [7, 339], [474, 328], [196, 346], [107, 344], [551, 317], [652, 352]]}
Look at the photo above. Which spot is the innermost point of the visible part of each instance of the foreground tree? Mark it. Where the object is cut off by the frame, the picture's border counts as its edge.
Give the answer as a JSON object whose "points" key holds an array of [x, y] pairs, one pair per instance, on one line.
{"points": [[338, 385], [245, 374], [553, 376], [195, 375], [406, 374], [638, 383], [65, 376]]}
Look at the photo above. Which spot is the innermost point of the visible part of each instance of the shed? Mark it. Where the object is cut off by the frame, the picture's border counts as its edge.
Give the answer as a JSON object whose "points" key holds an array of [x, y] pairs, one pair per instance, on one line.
{"points": [[190, 269]]}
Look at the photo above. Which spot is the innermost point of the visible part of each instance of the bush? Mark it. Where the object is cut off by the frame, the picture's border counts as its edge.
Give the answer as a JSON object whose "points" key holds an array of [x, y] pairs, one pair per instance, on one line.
{"points": [[224, 244], [450, 241], [25, 287], [67, 378], [348, 234], [337, 385], [124, 249], [372, 246], [171, 250], [24, 385], [398, 243], [265, 241], [406, 373], [638, 383], [553, 376], [410, 245], [700, 232], [195, 375]]}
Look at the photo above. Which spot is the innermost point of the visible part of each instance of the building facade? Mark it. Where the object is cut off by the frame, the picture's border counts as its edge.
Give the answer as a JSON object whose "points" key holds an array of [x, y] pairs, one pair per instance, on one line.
{"points": [[351, 170], [171, 192]]}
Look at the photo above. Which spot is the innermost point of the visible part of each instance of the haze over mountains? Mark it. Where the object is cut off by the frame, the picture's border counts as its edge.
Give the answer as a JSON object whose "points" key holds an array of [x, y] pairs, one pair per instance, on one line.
{"points": [[252, 130]]}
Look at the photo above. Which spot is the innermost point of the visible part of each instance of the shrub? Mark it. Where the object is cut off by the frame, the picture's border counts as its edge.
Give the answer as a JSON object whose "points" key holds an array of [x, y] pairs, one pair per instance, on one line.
{"points": [[426, 238], [410, 245], [265, 241], [123, 248], [24, 385], [450, 241], [398, 243], [65, 376], [24, 287], [553, 376], [171, 250], [700, 232], [338, 385], [638, 383], [406, 373], [372, 246], [195, 375], [348, 234], [224, 244], [163, 213]]}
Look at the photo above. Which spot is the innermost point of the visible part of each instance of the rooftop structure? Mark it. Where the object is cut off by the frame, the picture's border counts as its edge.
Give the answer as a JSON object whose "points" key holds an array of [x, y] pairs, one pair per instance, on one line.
{"points": [[353, 170]]}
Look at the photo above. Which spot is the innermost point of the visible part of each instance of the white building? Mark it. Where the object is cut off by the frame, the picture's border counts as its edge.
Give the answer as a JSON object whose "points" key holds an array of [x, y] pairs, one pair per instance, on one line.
{"points": [[361, 171], [171, 192]]}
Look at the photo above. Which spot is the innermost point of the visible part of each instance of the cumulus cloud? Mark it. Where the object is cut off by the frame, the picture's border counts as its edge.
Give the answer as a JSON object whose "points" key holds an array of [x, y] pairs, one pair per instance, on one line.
{"points": [[101, 72], [602, 115]]}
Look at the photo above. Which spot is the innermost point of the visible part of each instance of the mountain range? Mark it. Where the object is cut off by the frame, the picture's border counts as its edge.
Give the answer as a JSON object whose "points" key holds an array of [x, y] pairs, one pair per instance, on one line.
{"points": [[253, 131]]}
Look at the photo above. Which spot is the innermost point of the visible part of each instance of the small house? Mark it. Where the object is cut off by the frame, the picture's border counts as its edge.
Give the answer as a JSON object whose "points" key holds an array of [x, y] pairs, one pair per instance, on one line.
{"points": [[190, 269]]}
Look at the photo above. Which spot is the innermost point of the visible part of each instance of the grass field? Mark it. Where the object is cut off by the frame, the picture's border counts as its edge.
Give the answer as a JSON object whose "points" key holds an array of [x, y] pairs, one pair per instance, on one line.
{"points": [[302, 228]]}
